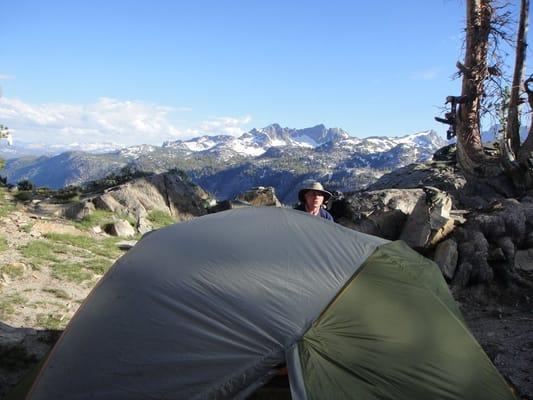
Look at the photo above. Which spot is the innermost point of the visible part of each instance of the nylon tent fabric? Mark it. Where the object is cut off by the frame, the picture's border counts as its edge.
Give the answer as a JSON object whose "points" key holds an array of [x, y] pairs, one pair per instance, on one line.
{"points": [[395, 333], [203, 309]]}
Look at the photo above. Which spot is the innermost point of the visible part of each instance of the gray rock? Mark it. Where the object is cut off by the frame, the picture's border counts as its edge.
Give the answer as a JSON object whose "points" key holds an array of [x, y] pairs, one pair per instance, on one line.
{"points": [[126, 245], [462, 275], [143, 225], [121, 228], [515, 219], [108, 203], [430, 220], [440, 175], [524, 260], [169, 192], [446, 258], [80, 210], [260, 196], [507, 246], [382, 213]]}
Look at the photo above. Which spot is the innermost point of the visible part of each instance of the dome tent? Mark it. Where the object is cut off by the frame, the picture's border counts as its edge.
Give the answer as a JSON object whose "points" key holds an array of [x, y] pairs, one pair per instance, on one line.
{"points": [[209, 308]]}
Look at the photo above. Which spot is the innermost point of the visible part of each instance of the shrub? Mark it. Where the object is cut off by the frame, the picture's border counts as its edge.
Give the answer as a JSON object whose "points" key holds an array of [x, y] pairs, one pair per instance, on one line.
{"points": [[68, 194], [25, 195], [25, 184]]}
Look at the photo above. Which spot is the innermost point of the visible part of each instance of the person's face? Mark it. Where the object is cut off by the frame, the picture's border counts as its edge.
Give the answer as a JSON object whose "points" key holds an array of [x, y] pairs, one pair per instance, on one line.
{"points": [[313, 199]]}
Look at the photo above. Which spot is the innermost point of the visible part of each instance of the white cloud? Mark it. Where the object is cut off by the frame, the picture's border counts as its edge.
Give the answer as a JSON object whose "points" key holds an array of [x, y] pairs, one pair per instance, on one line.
{"points": [[4, 77], [225, 125], [425, 74], [126, 122]]}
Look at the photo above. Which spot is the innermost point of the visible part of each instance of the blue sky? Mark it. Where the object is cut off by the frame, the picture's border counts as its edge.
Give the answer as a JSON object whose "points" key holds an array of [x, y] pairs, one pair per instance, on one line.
{"points": [[148, 71]]}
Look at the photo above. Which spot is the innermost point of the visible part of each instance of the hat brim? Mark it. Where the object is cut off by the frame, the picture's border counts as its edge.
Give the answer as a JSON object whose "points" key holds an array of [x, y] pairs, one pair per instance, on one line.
{"points": [[302, 192]]}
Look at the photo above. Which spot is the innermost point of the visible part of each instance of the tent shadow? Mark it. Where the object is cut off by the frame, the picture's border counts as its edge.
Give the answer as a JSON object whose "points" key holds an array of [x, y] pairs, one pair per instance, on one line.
{"points": [[21, 350]]}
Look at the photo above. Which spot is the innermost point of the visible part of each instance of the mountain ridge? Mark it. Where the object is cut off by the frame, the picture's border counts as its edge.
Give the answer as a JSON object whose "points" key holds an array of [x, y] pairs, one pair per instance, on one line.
{"points": [[259, 157]]}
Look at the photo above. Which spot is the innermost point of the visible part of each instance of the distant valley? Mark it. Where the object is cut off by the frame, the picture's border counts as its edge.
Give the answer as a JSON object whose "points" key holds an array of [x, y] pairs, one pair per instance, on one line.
{"points": [[226, 165]]}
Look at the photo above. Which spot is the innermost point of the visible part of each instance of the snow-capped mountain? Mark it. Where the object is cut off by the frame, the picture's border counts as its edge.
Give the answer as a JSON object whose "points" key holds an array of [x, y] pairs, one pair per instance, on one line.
{"points": [[257, 141], [227, 165]]}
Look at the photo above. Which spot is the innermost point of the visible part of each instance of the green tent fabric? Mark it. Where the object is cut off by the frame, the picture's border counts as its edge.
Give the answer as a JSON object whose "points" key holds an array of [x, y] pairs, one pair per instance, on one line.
{"points": [[209, 309], [394, 332]]}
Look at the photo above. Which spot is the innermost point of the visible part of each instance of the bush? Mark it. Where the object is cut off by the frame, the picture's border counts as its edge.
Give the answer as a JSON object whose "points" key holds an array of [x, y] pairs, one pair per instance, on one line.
{"points": [[68, 194], [25, 184], [25, 195]]}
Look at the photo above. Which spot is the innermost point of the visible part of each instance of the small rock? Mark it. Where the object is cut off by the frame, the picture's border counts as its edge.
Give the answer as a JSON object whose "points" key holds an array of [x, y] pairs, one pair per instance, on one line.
{"points": [[96, 229], [80, 210], [446, 258], [126, 245], [524, 259], [143, 225], [120, 228], [261, 196]]}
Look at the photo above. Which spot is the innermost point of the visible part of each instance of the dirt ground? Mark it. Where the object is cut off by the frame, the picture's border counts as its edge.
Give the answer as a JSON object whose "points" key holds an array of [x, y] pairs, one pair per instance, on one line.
{"points": [[501, 319]]}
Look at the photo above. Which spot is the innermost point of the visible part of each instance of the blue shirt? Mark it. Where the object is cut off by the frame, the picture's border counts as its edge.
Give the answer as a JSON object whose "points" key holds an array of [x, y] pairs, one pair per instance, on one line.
{"points": [[323, 212]]}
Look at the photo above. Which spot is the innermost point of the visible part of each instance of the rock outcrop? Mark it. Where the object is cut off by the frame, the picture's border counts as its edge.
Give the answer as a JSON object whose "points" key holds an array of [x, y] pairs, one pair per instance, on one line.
{"points": [[382, 212], [474, 232], [260, 196], [169, 192]]}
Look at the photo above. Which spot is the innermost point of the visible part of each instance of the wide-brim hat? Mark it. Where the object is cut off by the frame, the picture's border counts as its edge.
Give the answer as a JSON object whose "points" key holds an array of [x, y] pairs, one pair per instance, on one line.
{"points": [[317, 187]]}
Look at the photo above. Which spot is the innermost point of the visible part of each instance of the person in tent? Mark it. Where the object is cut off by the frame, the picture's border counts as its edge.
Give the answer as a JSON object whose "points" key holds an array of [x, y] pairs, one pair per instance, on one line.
{"points": [[313, 199]]}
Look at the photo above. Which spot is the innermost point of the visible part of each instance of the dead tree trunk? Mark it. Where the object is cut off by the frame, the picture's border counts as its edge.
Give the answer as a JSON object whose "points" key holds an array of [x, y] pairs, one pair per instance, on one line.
{"points": [[525, 154], [470, 153], [526, 150], [512, 134], [517, 160]]}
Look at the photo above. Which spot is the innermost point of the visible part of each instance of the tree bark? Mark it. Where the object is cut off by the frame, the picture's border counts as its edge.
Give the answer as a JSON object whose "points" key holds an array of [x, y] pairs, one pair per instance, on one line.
{"points": [[470, 153], [512, 133], [526, 150]]}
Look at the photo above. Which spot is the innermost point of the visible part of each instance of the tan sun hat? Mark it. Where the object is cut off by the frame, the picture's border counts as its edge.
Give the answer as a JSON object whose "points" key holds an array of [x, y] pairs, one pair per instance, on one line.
{"points": [[316, 186]]}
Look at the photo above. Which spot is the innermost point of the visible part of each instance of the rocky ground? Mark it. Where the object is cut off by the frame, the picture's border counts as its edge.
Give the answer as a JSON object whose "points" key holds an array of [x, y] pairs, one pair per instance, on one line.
{"points": [[48, 265], [502, 322], [47, 268]]}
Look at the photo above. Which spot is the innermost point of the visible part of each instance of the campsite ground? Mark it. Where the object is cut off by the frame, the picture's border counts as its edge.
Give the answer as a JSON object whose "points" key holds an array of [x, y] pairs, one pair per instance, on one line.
{"points": [[37, 299], [501, 319]]}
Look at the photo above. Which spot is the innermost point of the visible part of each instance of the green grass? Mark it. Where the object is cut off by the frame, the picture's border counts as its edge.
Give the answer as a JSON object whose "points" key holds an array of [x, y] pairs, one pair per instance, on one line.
{"points": [[12, 270], [96, 218], [98, 265], [106, 247], [160, 218], [9, 304], [3, 243], [92, 256], [39, 251], [72, 271], [6, 206], [51, 321]]}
